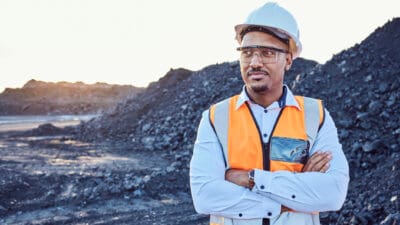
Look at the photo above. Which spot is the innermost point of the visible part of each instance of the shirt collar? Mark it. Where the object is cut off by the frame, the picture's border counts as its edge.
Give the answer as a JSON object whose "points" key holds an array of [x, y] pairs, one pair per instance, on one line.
{"points": [[287, 98]]}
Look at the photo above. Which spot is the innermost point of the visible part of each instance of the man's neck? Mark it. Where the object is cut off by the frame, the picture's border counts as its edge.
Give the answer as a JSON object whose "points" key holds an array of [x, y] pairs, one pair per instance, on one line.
{"points": [[265, 99]]}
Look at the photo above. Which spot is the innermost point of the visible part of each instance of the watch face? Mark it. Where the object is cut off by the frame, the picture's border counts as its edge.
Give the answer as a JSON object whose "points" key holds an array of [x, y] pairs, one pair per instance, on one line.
{"points": [[251, 174]]}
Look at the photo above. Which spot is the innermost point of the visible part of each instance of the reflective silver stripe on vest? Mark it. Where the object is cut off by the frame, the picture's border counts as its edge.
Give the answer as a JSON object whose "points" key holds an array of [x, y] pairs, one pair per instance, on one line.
{"points": [[217, 220], [221, 123], [311, 108]]}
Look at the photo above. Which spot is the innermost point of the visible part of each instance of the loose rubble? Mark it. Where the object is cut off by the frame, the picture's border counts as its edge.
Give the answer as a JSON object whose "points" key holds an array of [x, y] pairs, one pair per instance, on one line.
{"points": [[359, 87]]}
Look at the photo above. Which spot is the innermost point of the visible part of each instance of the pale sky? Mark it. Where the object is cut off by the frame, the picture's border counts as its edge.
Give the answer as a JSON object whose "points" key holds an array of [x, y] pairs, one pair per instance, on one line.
{"points": [[138, 41]]}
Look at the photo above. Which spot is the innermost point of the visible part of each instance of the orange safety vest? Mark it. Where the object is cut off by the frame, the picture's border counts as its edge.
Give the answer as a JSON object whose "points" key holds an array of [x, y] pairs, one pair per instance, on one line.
{"points": [[292, 137], [288, 145]]}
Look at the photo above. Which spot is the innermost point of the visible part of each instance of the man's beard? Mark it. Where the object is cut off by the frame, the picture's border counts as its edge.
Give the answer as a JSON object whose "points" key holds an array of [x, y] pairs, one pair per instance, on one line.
{"points": [[259, 88]]}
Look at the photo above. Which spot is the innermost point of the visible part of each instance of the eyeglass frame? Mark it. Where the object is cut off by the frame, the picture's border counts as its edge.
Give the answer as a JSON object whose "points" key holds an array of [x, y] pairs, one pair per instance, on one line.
{"points": [[274, 49]]}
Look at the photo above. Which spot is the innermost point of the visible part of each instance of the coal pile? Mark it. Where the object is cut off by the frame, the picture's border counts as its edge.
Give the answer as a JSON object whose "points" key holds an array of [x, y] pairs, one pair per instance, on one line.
{"points": [[177, 100], [359, 87], [164, 119]]}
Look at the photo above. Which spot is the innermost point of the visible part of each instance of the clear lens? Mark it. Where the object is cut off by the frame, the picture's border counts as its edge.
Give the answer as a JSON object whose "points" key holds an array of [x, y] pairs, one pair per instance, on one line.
{"points": [[267, 55]]}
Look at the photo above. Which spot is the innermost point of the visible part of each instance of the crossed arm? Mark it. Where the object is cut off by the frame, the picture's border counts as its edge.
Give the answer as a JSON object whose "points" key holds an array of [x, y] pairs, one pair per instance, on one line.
{"points": [[321, 187], [318, 162]]}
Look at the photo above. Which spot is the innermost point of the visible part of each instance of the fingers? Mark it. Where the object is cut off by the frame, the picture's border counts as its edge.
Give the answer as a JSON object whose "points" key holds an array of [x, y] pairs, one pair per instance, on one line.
{"points": [[323, 164], [325, 168], [318, 162], [317, 156]]}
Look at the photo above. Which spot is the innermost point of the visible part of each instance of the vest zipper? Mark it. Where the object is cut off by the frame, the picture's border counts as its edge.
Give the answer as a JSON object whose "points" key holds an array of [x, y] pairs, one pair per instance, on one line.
{"points": [[266, 147], [267, 151]]}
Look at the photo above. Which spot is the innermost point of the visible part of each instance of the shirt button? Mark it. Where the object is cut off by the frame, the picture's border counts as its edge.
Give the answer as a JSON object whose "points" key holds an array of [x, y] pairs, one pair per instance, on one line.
{"points": [[265, 135], [269, 214], [262, 187], [293, 196], [265, 110], [240, 215]]}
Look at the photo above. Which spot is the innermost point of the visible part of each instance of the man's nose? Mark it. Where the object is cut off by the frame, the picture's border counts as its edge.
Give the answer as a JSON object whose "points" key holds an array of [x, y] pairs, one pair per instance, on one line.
{"points": [[256, 61]]}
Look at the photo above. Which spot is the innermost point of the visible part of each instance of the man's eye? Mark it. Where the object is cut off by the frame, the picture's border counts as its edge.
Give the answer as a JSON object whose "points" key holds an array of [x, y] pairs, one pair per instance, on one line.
{"points": [[267, 53], [247, 53]]}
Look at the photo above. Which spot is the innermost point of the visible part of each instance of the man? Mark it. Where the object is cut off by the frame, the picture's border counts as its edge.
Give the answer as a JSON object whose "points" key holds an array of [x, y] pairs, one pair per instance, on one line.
{"points": [[266, 156]]}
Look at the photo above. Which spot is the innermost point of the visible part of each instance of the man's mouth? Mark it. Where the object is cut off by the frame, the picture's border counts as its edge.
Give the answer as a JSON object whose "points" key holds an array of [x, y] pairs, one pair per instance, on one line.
{"points": [[257, 75]]}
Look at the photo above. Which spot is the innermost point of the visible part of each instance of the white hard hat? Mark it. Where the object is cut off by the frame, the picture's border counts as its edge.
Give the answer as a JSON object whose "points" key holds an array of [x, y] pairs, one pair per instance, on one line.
{"points": [[276, 20]]}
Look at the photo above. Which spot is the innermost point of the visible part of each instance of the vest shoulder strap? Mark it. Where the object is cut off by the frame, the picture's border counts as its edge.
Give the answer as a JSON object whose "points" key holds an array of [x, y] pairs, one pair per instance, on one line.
{"points": [[313, 112], [219, 120]]}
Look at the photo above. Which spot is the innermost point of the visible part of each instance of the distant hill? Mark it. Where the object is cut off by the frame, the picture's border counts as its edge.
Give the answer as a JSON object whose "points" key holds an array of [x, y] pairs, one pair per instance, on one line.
{"points": [[48, 98]]}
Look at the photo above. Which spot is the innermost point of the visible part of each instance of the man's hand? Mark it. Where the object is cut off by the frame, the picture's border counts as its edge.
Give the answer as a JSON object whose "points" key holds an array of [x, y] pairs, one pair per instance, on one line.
{"points": [[318, 162], [239, 177]]}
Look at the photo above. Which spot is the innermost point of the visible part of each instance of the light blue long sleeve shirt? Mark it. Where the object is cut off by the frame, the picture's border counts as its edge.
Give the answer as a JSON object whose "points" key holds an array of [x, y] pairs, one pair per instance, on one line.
{"points": [[304, 192]]}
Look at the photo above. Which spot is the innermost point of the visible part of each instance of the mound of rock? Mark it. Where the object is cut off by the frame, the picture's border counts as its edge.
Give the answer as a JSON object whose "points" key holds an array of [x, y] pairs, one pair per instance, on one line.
{"points": [[164, 118], [359, 87], [48, 98], [175, 101]]}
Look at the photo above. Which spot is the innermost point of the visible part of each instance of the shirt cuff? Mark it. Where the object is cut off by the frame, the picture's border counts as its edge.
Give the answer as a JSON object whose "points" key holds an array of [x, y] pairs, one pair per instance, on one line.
{"points": [[269, 208], [262, 180]]}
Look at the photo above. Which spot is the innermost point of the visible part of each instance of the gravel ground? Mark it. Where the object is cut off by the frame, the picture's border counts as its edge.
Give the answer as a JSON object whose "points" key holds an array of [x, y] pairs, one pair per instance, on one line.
{"points": [[131, 164], [57, 180]]}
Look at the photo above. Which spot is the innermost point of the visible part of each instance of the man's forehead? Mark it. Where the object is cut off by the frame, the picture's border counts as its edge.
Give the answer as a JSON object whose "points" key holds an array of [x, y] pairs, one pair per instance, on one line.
{"points": [[261, 38], [271, 31]]}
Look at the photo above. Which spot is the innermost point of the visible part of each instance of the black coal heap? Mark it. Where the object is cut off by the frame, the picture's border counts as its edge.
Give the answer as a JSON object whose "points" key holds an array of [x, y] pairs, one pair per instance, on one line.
{"points": [[359, 86]]}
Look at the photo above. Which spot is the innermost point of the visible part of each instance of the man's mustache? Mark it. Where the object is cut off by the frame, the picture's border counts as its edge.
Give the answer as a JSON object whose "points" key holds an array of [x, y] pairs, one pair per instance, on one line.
{"points": [[258, 71]]}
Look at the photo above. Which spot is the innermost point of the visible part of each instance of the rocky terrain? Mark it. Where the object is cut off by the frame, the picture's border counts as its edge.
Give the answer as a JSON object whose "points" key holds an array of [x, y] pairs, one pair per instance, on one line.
{"points": [[131, 163], [176, 100], [360, 87], [48, 98]]}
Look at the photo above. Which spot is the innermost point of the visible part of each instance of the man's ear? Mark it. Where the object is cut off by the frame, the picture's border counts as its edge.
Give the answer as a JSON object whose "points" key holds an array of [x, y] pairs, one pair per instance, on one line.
{"points": [[289, 61]]}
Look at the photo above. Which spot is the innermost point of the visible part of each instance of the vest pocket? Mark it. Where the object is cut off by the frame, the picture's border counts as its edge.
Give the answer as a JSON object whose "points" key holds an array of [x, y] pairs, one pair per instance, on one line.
{"points": [[289, 150]]}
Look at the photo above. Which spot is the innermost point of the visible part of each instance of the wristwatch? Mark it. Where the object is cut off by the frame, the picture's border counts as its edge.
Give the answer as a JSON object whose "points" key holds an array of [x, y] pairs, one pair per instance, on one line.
{"points": [[251, 183]]}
